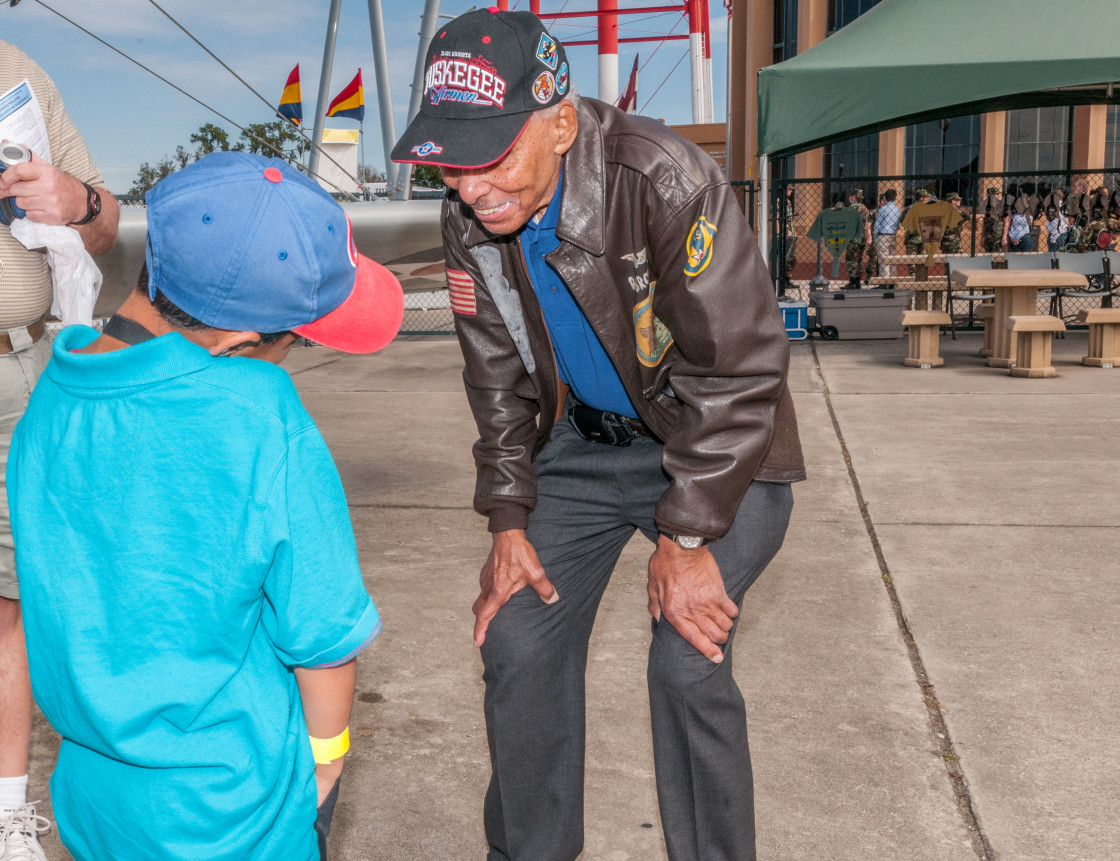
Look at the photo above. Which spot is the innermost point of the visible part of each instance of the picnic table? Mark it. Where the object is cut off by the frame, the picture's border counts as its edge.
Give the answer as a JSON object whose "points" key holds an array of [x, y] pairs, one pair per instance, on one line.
{"points": [[1016, 292], [928, 295]]}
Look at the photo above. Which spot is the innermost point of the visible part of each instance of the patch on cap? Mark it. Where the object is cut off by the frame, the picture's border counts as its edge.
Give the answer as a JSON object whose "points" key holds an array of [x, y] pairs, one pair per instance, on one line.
{"points": [[546, 51], [543, 87], [426, 149]]}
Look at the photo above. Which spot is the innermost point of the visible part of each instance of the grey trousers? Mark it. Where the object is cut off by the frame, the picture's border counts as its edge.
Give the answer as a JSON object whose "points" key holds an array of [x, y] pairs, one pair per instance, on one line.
{"points": [[590, 499]]}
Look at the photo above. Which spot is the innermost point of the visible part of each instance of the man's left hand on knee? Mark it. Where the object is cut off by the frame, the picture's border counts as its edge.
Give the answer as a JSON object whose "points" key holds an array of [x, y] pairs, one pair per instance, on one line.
{"points": [[686, 587]]}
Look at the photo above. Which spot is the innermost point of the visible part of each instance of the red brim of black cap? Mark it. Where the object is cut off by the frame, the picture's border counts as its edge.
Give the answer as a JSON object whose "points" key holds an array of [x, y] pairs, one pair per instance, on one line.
{"points": [[370, 317], [456, 142]]}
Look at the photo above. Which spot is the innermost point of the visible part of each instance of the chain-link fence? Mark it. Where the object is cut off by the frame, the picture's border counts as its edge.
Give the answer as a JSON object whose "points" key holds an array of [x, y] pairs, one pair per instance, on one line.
{"points": [[747, 194], [1071, 211]]}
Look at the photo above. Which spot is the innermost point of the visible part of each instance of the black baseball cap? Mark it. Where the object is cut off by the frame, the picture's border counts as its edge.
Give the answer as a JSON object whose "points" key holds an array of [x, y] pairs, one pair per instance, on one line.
{"points": [[492, 69]]}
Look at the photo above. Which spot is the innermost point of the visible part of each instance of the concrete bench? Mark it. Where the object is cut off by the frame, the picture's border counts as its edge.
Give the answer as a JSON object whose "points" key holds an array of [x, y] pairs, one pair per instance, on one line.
{"points": [[925, 334], [987, 313], [1104, 336], [1033, 336]]}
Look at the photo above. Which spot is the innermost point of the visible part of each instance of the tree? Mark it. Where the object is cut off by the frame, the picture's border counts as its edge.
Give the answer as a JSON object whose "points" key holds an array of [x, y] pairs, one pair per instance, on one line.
{"points": [[149, 175], [369, 174], [272, 139], [210, 138], [427, 175], [257, 138]]}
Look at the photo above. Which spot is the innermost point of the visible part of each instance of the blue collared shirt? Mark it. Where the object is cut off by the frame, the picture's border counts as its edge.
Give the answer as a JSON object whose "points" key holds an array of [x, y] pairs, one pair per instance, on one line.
{"points": [[582, 362], [888, 219]]}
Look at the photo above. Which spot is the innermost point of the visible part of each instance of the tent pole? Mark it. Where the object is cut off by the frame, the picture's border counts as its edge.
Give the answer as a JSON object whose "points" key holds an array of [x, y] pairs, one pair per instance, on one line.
{"points": [[764, 215]]}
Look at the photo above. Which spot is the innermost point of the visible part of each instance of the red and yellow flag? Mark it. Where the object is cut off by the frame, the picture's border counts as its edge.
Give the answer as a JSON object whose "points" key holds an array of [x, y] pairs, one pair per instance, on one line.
{"points": [[350, 102], [291, 102]]}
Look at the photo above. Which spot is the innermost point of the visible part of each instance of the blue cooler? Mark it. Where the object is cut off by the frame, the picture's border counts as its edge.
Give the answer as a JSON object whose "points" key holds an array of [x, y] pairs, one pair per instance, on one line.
{"points": [[795, 316]]}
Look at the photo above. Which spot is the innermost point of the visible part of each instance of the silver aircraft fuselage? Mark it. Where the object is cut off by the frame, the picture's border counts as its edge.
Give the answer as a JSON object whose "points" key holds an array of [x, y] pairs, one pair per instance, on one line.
{"points": [[388, 231]]}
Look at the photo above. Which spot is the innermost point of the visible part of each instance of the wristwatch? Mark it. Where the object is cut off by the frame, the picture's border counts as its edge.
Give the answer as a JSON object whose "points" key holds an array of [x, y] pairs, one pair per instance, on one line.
{"points": [[687, 542], [93, 205]]}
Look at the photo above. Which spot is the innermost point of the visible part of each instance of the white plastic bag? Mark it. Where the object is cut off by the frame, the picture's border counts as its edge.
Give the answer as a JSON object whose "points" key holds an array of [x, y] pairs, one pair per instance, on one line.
{"points": [[77, 280]]}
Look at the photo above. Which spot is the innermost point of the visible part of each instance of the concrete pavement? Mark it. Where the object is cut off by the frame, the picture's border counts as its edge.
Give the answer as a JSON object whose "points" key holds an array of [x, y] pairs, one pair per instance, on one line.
{"points": [[930, 664]]}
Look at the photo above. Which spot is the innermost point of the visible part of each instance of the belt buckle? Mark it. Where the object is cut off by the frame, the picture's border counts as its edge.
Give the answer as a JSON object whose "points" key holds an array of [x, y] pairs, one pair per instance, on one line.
{"points": [[601, 426]]}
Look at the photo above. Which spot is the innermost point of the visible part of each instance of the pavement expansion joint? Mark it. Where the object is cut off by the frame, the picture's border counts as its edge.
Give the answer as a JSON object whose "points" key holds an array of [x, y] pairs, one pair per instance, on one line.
{"points": [[938, 726]]}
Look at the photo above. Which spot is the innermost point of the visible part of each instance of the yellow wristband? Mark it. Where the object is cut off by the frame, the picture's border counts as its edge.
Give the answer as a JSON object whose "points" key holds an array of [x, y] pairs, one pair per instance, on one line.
{"points": [[327, 750]]}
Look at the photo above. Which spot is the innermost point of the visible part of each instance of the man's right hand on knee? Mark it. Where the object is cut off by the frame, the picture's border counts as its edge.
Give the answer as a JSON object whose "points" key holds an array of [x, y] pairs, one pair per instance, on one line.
{"points": [[511, 565]]}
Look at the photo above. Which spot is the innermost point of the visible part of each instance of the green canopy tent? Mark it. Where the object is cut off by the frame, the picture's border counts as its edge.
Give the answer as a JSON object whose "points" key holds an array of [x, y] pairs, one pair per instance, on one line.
{"points": [[912, 61]]}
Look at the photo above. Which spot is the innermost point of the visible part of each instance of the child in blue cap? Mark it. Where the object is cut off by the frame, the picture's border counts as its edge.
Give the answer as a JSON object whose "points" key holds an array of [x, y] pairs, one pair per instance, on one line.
{"points": [[191, 591]]}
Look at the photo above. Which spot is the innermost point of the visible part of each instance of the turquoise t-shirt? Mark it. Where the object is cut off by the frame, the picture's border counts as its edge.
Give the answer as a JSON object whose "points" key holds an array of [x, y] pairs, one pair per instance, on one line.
{"points": [[183, 542]]}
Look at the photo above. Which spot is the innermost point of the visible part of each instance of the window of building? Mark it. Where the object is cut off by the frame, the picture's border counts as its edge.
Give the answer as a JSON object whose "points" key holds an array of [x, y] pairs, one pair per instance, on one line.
{"points": [[1039, 140], [853, 159], [1112, 139], [785, 30], [844, 12], [947, 146]]}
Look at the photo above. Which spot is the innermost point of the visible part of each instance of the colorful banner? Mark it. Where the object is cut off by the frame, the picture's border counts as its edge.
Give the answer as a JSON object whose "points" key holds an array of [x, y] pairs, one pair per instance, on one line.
{"points": [[291, 102], [350, 103]]}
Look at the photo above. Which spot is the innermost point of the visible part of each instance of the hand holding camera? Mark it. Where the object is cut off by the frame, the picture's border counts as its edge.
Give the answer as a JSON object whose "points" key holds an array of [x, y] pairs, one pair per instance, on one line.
{"points": [[49, 195], [11, 154]]}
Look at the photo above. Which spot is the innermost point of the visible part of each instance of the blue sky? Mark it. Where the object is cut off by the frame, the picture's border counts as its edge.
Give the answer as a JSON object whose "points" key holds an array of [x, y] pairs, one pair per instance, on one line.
{"points": [[128, 116]]}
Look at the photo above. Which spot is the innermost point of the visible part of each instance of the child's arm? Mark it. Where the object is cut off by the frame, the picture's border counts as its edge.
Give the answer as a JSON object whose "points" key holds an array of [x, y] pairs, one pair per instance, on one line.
{"points": [[328, 695]]}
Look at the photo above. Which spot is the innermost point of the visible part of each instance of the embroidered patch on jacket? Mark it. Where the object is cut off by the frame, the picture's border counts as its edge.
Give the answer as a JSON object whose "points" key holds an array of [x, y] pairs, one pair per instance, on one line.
{"points": [[638, 258], [700, 242], [462, 292], [546, 51], [651, 337]]}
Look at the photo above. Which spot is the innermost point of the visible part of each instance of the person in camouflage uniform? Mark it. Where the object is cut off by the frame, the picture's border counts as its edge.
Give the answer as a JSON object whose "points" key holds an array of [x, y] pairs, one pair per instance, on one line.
{"points": [[1078, 204], [1105, 219], [951, 236], [790, 237], [853, 253], [912, 243], [992, 209], [872, 257]]}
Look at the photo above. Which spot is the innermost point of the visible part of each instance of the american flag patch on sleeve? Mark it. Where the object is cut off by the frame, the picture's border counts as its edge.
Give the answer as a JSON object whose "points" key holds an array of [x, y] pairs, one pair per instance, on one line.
{"points": [[462, 292]]}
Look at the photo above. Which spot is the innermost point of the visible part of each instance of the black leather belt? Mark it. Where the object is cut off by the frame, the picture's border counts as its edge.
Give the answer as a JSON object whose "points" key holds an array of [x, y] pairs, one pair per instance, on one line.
{"points": [[604, 426]]}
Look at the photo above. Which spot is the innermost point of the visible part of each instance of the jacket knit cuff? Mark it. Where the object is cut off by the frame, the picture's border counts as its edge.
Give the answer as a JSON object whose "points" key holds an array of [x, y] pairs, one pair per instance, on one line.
{"points": [[507, 516]]}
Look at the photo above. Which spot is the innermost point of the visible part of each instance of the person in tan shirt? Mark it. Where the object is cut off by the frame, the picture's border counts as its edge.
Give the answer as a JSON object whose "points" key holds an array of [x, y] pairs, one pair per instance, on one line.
{"points": [[66, 190]]}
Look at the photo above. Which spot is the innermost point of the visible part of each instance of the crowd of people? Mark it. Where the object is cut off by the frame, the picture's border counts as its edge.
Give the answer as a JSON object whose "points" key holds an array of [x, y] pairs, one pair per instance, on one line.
{"points": [[1021, 219], [1074, 220]]}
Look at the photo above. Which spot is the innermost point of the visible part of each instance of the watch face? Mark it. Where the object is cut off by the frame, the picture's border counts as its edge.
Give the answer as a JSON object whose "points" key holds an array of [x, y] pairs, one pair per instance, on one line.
{"points": [[688, 542], [94, 202]]}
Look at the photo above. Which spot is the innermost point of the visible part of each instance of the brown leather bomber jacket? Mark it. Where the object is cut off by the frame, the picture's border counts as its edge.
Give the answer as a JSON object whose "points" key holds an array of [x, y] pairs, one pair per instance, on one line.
{"points": [[657, 253]]}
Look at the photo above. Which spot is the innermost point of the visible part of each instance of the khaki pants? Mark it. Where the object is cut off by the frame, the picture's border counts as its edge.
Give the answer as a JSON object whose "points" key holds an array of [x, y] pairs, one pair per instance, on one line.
{"points": [[885, 244], [19, 371]]}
